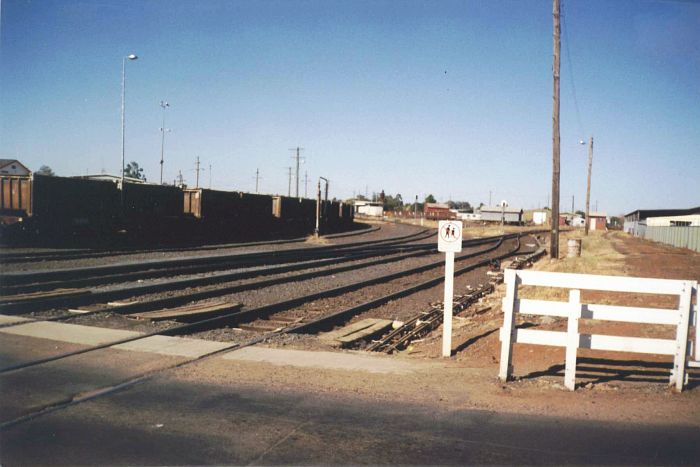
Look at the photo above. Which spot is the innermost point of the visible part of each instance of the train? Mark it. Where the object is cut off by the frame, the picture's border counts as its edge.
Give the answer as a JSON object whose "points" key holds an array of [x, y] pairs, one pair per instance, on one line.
{"points": [[40, 209]]}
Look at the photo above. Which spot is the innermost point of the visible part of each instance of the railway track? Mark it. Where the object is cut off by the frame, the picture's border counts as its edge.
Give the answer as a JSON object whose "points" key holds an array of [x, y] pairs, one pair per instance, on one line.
{"points": [[28, 257], [194, 264], [131, 294], [265, 311], [277, 309]]}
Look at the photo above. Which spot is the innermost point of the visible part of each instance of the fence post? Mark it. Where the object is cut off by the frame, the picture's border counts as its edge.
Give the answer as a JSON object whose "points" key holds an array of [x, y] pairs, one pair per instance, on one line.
{"points": [[511, 279], [679, 360], [572, 339]]}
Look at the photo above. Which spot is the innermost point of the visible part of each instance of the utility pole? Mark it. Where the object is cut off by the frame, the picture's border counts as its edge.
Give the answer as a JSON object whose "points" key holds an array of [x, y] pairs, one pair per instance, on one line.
{"points": [[554, 241], [415, 209], [588, 185], [180, 180], [197, 164], [257, 179], [306, 184], [164, 105], [572, 205], [297, 158], [210, 176], [289, 184]]}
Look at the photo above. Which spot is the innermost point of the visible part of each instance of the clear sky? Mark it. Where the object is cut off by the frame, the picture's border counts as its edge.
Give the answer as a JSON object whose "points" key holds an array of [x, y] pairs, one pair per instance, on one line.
{"points": [[452, 98]]}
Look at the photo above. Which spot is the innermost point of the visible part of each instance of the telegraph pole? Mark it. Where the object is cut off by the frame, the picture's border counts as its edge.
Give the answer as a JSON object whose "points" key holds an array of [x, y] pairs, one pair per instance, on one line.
{"points": [[554, 241], [588, 185], [289, 184], [572, 205], [164, 105], [297, 159], [306, 184], [257, 179], [210, 176], [197, 183]]}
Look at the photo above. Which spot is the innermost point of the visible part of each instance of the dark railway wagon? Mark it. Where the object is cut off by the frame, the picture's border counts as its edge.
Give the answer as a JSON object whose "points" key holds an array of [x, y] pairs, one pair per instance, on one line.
{"points": [[69, 207], [296, 214], [153, 212], [15, 198]]}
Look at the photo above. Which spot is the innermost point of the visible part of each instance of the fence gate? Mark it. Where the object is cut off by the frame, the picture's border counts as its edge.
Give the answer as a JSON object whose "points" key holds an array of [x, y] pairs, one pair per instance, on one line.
{"points": [[681, 318]]}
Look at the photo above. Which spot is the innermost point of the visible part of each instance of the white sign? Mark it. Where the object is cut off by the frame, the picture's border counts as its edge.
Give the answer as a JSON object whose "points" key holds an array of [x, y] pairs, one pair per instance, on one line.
{"points": [[449, 241], [450, 236]]}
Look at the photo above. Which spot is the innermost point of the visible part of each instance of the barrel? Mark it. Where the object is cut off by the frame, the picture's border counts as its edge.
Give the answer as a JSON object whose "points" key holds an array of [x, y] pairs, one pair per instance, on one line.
{"points": [[574, 247]]}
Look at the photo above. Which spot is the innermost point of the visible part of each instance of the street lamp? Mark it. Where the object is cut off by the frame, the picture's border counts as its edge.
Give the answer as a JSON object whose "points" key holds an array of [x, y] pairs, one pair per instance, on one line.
{"points": [[164, 105], [129, 57]]}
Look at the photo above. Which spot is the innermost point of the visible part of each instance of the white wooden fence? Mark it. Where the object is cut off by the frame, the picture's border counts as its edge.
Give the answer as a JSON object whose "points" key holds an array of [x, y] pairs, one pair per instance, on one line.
{"points": [[574, 310]]}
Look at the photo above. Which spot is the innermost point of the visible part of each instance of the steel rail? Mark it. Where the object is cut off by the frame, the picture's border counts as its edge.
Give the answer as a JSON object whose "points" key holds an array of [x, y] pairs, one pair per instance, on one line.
{"points": [[8, 258], [143, 377], [253, 313], [178, 284], [27, 277], [9, 291]]}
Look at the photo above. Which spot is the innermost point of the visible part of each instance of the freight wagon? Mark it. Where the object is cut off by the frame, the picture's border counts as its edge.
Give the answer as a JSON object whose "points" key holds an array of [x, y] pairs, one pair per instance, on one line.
{"points": [[60, 209]]}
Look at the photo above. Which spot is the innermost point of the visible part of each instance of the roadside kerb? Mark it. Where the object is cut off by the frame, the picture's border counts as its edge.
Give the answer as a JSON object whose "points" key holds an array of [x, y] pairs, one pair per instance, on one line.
{"points": [[574, 310]]}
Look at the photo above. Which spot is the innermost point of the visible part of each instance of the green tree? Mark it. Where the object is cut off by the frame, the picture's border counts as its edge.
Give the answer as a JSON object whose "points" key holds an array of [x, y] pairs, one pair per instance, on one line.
{"points": [[134, 171], [430, 199], [45, 170]]}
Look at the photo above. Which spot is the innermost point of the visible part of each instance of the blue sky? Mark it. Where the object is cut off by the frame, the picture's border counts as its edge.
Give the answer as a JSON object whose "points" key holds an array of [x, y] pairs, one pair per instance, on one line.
{"points": [[451, 98]]}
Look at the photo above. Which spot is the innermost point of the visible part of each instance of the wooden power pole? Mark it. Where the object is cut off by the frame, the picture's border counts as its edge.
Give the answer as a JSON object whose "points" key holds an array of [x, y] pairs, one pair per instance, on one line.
{"points": [[588, 185], [554, 241]]}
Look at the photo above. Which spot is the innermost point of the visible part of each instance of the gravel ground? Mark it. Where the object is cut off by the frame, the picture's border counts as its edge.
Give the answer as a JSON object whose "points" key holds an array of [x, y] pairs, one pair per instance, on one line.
{"points": [[387, 231]]}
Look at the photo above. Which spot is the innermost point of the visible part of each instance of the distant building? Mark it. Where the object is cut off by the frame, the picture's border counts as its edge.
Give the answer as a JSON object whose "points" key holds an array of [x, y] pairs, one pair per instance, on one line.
{"points": [[13, 167], [598, 221], [692, 220], [497, 213], [578, 222], [539, 217], [636, 221], [438, 211], [468, 216], [369, 208]]}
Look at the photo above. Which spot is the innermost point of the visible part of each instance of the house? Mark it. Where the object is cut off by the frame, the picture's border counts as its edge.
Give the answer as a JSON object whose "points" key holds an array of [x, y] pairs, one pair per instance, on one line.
{"points": [[597, 221], [438, 211], [497, 214], [13, 167], [539, 217], [369, 208]]}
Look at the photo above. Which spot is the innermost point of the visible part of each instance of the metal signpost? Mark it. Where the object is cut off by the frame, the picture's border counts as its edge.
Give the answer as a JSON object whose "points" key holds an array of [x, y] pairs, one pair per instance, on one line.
{"points": [[450, 242]]}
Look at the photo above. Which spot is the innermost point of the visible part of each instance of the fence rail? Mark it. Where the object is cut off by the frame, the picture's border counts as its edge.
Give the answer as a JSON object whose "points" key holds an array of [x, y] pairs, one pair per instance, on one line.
{"points": [[681, 318], [681, 237]]}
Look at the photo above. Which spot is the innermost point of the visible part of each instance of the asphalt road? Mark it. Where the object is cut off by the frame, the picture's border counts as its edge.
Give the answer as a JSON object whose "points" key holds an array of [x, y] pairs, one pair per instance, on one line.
{"points": [[164, 421]]}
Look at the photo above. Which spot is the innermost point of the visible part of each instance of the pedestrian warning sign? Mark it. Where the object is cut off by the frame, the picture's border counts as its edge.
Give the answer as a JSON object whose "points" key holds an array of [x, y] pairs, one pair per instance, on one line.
{"points": [[450, 236]]}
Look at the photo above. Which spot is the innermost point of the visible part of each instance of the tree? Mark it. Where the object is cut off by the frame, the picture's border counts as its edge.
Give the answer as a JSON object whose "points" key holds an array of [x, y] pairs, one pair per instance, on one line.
{"points": [[134, 171], [45, 170], [430, 199], [463, 205]]}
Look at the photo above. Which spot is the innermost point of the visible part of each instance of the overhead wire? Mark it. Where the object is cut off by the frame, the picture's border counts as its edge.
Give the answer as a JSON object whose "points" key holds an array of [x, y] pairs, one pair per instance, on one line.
{"points": [[571, 74]]}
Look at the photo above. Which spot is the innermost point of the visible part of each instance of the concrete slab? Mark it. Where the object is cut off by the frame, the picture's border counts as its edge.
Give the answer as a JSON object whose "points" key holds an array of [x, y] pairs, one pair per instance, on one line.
{"points": [[74, 333], [5, 319], [175, 346], [325, 360], [91, 335]]}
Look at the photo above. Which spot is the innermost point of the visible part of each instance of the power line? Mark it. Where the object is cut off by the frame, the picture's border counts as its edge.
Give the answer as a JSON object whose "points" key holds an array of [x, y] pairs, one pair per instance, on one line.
{"points": [[571, 74]]}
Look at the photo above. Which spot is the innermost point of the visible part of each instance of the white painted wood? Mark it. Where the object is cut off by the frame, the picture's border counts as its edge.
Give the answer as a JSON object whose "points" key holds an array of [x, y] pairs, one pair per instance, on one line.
{"points": [[604, 283], [598, 342], [507, 331], [696, 322], [680, 357], [538, 337], [600, 312], [447, 303], [644, 345], [572, 338]]}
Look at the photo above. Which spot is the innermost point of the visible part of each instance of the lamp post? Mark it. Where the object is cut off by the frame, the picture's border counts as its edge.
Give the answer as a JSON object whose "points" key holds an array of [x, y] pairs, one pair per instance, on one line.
{"points": [[164, 105], [129, 57]]}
